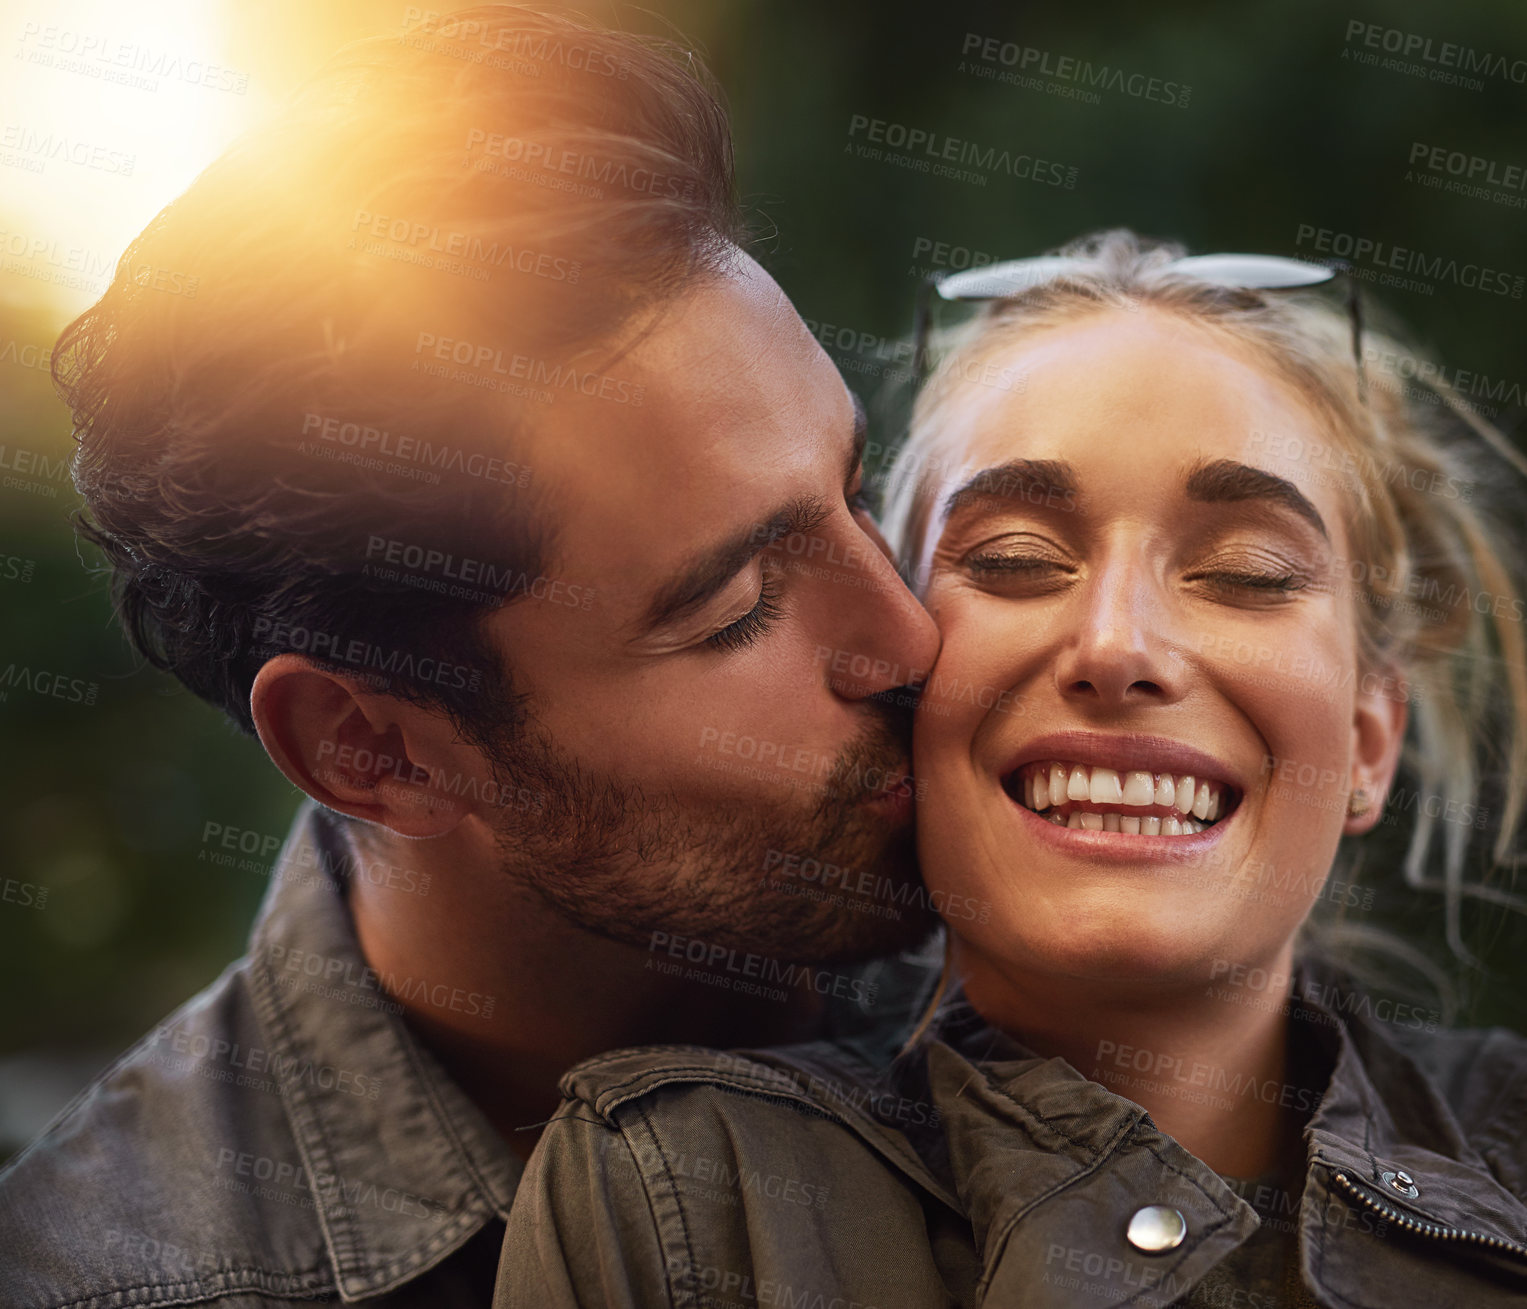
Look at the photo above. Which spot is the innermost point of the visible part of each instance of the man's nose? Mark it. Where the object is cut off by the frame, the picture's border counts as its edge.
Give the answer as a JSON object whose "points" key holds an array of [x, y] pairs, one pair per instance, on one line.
{"points": [[882, 637]]}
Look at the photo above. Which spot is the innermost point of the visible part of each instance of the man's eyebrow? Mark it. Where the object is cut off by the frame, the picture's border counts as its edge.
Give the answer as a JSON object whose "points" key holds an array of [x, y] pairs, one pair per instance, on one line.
{"points": [[1224, 481], [700, 580], [1035, 481], [706, 575]]}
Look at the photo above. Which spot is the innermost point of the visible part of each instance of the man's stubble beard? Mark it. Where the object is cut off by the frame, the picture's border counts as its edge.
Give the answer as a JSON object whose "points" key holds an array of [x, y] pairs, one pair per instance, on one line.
{"points": [[622, 862]]}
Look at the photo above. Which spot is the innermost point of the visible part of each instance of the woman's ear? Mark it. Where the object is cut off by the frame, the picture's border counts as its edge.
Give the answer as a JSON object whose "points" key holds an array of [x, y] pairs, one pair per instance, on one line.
{"points": [[1379, 717]]}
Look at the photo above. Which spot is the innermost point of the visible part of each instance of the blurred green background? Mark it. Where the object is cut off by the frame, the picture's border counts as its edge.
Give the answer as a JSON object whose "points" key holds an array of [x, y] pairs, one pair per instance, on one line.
{"points": [[106, 794]]}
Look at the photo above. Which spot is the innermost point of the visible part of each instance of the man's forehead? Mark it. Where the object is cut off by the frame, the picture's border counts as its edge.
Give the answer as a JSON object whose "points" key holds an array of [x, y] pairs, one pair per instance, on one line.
{"points": [[723, 408], [733, 343], [730, 344]]}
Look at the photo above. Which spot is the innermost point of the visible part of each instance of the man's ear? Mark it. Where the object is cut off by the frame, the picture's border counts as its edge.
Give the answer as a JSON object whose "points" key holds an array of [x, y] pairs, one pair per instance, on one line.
{"points": [[1378, 732], [362, 752]]}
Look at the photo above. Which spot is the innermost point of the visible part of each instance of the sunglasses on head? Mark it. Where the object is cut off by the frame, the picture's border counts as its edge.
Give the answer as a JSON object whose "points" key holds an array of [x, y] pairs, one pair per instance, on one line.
{"points": [[1015, 276]]}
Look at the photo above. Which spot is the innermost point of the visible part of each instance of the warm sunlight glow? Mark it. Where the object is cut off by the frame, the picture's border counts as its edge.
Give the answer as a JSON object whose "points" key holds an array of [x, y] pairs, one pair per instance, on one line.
{"points": [[108, 110]]}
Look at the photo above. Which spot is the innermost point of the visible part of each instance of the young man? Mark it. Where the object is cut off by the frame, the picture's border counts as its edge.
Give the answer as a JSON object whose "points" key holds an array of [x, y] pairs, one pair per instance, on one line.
{"points": [[510, 503]]}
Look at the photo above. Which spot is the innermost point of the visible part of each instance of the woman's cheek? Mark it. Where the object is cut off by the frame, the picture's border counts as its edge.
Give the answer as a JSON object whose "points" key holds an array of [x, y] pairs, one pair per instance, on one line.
{"points": [[980, 657], [1304, 725], [969, 694]]}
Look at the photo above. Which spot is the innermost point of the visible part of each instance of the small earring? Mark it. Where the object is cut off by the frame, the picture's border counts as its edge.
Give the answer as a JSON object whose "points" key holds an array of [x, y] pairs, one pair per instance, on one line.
{"points": [[1358, 803]]}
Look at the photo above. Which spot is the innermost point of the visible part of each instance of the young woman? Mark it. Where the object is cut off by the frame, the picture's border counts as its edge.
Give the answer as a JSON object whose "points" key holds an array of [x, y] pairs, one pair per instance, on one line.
{"points": [[1200, 582]]}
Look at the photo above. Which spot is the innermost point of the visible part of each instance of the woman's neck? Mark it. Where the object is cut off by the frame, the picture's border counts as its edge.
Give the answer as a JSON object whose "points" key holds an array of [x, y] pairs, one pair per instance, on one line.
{"points": [[1209, 1063]]}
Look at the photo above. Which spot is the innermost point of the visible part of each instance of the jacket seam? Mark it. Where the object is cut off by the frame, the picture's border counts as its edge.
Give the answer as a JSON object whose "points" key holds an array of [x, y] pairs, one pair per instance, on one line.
{"points": [[770, 1091], [697, 1074], [342, 1249], [1005, 1235], [246, 1279], [1094, 1151], [767, 1083], [465, 1222], [358, 1263], [678, 1205]]}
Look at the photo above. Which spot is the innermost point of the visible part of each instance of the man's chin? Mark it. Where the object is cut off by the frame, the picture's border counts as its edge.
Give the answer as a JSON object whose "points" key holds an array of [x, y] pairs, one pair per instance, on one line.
{"points": [[834, 883], [857, 895], [854, 908]]}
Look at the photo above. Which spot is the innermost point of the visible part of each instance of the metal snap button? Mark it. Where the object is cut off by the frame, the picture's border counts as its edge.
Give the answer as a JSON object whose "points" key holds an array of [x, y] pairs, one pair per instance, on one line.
{"points": [[1402, 1182], [1156, 1229]]}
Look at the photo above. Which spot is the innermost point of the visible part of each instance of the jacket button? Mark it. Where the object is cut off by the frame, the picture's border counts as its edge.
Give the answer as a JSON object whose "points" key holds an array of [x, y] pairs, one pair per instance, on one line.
{"points": [[1402, 1182], [1156, 1229]]}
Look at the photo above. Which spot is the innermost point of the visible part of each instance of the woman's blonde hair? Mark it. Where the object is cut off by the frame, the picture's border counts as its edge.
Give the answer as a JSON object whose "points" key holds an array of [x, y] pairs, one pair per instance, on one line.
{"points": [[1437, 601]]}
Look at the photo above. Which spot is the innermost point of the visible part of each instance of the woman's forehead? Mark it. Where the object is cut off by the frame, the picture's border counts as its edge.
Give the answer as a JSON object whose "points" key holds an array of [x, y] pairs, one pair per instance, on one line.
{"points": [[1127, 404], [1138, 384]]}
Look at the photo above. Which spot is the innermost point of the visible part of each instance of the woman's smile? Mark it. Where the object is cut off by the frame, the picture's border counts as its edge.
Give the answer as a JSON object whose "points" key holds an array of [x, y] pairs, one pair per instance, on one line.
{"points": [[1136, 786]]}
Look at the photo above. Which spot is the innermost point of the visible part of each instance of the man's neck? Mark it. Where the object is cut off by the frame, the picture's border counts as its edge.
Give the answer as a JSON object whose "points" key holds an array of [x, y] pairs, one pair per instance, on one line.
{"points": [[508, 994]]}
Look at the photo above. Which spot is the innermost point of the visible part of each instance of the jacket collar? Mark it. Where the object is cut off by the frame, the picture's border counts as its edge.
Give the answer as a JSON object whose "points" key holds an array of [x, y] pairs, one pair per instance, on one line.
{"points": [[1360, 1138], [1382, 1116], [1038, 1153], [406, 1170]]}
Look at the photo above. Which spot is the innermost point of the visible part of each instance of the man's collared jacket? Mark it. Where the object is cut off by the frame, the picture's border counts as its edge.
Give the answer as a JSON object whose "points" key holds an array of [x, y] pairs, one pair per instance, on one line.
{"points": [[285, 1138], [281, 1138]]}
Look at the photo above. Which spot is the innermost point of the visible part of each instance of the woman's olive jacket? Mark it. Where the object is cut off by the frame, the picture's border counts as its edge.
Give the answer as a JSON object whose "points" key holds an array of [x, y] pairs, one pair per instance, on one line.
{"points": [[801, 1178]]}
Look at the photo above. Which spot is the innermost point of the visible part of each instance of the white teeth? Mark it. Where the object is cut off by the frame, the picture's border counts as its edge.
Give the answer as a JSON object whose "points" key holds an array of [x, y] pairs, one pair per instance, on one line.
{"points": [[1185, 793], [1050, 785], [1104, 787], [1201, 801]]}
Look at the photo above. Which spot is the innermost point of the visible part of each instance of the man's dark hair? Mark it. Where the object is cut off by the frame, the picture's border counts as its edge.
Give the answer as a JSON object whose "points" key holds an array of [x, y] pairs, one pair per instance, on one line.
{"points": [[296, 403]]}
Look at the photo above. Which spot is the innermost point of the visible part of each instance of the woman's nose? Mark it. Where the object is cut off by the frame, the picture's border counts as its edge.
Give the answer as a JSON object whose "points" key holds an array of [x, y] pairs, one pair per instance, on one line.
{"points": [[1119, 652]]}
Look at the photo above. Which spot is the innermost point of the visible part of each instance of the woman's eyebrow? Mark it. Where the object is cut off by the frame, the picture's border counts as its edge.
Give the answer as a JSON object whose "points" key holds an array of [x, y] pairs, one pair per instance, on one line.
{"points": [[1037, 481], [1223, 481]]}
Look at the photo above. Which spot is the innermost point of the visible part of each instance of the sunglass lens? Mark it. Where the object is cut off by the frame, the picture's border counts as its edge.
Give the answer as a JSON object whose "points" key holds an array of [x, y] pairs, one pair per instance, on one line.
{"points": [[1262, 271]]}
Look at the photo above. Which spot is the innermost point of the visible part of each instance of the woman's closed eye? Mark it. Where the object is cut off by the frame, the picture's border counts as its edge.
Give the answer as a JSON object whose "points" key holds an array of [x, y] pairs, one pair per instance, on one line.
{"points": [[1030, 564], [1254, 577], [1259, 581]]}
